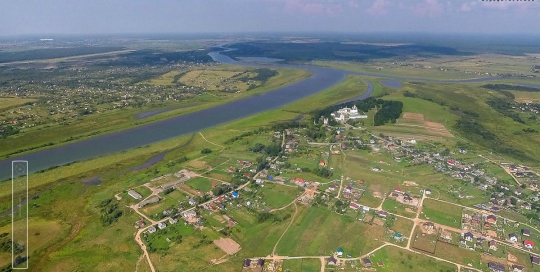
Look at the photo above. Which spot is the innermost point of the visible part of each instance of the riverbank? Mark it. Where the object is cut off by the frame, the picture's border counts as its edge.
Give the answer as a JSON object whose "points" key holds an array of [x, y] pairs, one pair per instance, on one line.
{"points": [[91, 126]]}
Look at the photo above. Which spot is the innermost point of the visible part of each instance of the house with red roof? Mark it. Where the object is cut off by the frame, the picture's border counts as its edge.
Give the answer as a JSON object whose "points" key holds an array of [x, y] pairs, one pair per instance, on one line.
{"points": [[528, 244], [451, 162], [354, 206]]}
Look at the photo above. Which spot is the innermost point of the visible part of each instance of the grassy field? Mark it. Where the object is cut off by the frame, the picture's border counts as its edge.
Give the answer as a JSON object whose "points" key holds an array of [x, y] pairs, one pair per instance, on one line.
{"points": [[199, 183], [442, 213], [396, 259], [391, 205], [313, 233], [304, 265], [9, 102], [258, 239], [442, 67], [526, 96], [389, 70], [277, 195], [217, 80], [458, 255], [41, 234]]}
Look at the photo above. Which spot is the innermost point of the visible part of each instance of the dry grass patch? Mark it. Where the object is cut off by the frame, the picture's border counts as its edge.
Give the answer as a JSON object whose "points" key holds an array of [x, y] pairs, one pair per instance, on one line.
{"points": [[228, 245], [413, 116]]}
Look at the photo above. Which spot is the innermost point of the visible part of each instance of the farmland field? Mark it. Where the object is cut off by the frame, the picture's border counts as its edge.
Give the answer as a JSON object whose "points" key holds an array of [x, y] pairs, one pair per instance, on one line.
{"points": [[396, 259], [458, 255], [442, 213], [8, 102], [277, 195], [313, 233], [304, 265], [391, 205], [200, 183], [258, 239]]}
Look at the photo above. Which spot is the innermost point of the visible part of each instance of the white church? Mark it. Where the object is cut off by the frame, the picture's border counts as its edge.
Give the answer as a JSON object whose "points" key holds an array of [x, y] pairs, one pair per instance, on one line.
{"points": [[344, 114]]}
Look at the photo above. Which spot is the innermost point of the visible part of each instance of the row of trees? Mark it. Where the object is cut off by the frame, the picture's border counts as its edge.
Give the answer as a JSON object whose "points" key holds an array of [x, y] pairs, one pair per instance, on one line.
{"points": [[508, 87]]}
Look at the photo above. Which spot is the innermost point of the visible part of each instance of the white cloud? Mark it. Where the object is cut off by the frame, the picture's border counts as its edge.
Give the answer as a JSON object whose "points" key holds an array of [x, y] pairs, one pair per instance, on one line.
{"points": [[429, 8], [379, 7], [466, 7]]}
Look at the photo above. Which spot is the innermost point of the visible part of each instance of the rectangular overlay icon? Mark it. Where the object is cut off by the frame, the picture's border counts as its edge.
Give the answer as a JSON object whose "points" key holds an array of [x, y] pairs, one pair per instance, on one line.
{"points": [[19, 215]]}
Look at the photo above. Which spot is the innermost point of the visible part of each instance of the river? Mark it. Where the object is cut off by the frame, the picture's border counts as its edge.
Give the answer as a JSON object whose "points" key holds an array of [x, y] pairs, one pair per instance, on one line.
{"points": [[321, 79]]}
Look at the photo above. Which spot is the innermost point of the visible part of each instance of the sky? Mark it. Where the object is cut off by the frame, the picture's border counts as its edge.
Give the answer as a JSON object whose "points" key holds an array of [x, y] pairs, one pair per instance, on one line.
{"points": [[229, 16]]}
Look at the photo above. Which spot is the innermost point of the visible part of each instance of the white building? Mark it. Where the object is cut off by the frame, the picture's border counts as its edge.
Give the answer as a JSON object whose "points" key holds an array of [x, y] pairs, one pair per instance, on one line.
{"points": [[134, 194], [345, 114], [161, 225]]}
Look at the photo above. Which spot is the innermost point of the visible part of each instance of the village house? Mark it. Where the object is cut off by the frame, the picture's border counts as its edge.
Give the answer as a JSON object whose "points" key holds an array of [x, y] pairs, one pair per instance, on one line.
{"points": [[381, 213], [161, 225], [151, 200], [429, 226], [535, 259], [496, 267], [189, 214], [526, 232], [446, 235], [493, 245], [528, 244], [332, 260], [513, 237], [517, 268], [468, 236], [151, 229], [492, 219], [367, 262], [173, 221], [354, 206], [475, 219], [339, 252]]}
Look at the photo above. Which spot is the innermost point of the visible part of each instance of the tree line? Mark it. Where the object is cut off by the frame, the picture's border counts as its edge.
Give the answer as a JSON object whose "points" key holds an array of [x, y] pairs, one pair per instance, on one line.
{"points": [[508, 87], [504, 107]]}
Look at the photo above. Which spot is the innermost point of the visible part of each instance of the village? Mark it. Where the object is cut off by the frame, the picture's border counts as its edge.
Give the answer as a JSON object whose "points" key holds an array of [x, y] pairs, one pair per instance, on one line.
{"points": [[304, 173]]}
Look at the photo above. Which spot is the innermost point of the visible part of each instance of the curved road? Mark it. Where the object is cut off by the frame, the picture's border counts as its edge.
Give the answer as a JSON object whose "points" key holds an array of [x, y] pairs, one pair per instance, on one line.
{"points": [[321, 79]]}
